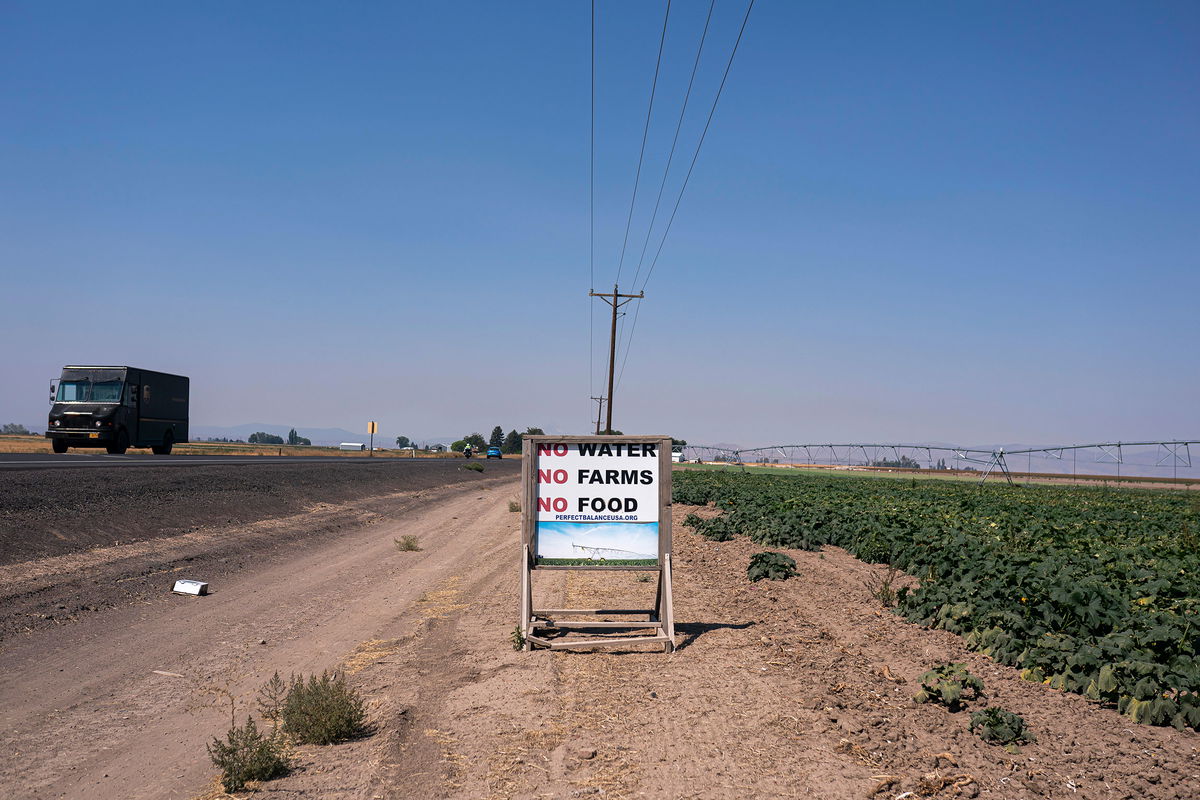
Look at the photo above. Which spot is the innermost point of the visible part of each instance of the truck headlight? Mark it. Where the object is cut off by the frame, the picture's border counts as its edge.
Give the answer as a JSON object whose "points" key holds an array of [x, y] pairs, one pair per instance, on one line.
{"points": [[56, 423], [99, 423]]}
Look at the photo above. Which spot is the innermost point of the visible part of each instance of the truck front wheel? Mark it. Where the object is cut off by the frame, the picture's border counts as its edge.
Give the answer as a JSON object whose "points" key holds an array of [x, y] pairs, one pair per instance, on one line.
{"points": [[58, 445], [164, 449], [120, 444]]}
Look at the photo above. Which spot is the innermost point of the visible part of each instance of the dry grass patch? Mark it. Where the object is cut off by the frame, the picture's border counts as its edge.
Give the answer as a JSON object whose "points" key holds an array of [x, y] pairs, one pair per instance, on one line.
{"points": [[441, 603], [24, 444], [509, 768], [371, 652]]}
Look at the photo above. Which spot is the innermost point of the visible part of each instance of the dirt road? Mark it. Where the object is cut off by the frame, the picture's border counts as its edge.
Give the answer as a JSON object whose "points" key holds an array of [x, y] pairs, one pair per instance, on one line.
{"points": [[794, 689], [88, 712]]}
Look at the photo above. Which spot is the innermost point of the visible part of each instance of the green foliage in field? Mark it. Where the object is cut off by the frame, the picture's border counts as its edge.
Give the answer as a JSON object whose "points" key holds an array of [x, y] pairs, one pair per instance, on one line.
{"points": [[771, 566], [949, 685], [997, 726], [716, 529], [1089, 590]]}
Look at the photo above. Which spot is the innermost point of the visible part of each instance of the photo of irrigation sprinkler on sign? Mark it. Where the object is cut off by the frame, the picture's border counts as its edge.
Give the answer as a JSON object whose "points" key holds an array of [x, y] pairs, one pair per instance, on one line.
{"points": [[582, 543]]}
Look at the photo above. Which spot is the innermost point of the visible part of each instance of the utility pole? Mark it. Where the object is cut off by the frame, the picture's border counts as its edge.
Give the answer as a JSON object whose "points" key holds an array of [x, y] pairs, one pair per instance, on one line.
{"points": [[616, 300], [599, 412]]}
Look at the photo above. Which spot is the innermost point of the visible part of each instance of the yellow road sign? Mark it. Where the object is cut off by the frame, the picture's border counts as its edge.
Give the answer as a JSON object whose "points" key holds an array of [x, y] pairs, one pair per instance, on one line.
{"points": [[372, 427]]}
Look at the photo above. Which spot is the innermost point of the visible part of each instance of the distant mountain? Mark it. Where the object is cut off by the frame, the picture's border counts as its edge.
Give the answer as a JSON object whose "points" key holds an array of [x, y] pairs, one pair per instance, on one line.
{"points": [[328, 436], [319, 436]]}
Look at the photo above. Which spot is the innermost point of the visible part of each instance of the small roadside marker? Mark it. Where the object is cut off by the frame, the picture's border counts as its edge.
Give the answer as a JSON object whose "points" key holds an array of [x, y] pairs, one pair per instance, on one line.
{"points": [[196, 588]]}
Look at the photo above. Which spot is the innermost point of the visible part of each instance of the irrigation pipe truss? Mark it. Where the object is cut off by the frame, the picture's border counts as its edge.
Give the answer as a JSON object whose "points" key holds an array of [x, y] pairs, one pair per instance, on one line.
{"points": [[1174, 454]]}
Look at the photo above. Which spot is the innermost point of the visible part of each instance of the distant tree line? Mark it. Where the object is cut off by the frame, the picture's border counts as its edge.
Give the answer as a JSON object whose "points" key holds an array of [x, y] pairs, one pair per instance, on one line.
{"points": [[509, 443], [903, 462], [13, 429]]}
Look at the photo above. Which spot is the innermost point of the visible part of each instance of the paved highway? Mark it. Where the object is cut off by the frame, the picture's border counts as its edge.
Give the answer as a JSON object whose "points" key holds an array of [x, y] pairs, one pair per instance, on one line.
{"points": [[76, 460]]}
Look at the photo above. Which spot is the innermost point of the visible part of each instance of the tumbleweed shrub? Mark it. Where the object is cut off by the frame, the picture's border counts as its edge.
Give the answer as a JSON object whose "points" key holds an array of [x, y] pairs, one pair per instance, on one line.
{"points": [[997, 726], [882, 586], [949, 685], [1086, 589], [771, 566], [473, 466], [247, 754], [322, 710]]}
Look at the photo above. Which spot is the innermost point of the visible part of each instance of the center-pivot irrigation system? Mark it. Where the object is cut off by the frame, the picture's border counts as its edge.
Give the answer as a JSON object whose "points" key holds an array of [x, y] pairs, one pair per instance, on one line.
{"points": [[609, 552], [1161, 455]]}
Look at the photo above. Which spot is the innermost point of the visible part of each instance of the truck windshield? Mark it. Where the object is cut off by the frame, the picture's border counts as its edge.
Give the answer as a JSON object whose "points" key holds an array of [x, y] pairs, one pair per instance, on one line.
{"points": [[86, 391]]}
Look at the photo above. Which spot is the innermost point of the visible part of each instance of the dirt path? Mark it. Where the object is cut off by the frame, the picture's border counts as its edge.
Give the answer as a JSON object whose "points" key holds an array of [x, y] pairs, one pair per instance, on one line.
{"points": [[84, 712], [794, 689]]}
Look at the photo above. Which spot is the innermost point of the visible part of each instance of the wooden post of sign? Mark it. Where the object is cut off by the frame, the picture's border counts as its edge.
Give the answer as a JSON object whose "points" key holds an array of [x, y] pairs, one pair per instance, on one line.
{"points": [[660, 619]]}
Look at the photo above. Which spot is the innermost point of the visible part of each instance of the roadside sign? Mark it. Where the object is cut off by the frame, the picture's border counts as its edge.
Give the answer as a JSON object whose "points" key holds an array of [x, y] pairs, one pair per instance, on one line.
{"points": [[372, 427], [597, 503]]}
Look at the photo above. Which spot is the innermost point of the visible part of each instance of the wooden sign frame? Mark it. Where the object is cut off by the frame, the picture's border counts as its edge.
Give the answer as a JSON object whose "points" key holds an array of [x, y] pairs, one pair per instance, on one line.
{"points": [[660, 618]]}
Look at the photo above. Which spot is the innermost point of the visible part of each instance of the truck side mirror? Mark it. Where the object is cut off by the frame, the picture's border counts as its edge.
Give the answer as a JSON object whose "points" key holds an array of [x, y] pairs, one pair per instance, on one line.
{"points": [[53, 393]]}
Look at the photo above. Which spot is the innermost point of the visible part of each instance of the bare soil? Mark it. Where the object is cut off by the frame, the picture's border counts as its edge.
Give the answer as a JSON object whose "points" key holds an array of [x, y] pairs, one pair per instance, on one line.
{"points": [[56, 511], [799, 688]]}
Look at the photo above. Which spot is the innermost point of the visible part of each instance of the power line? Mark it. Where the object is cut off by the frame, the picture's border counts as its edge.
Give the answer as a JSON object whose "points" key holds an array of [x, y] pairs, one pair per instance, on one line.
{"points": [[645, 133], [678, 126], [692, 166], [700, 144], [629, 343], [592, 222]]}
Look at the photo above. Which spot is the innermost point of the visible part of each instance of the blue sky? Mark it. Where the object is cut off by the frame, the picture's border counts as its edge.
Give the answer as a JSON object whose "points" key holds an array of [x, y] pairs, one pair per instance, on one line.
{"points": [[931, 222]]}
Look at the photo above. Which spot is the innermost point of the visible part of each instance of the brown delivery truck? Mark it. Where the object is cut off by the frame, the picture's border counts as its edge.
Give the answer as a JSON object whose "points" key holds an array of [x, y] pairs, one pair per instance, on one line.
{"points": [[117, 408]]}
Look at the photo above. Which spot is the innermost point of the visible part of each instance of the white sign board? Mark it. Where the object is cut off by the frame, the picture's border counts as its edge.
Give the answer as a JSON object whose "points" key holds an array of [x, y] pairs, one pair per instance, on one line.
{"points": [[597, 503]]}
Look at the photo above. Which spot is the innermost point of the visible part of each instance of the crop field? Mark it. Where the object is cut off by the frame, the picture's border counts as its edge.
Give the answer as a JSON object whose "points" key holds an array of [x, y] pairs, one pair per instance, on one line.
{"points": [[1087, 590]]}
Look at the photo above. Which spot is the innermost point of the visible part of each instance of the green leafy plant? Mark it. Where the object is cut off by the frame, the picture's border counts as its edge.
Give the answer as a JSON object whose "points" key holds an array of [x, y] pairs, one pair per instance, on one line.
{"points": [[773, 566], [517, 638], [474, 466], [247, 755], [949, 685], [716, 529], [322, 710], [997, 726], [407, 543], [514, 506]]}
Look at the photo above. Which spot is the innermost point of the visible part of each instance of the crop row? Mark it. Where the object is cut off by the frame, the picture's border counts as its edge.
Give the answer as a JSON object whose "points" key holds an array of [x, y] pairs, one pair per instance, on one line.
{"points": [[1088, 590]]}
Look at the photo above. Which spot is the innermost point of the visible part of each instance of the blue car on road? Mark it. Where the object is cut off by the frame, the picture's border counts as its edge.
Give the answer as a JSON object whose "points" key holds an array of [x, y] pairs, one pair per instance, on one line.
{"points": [[494, 452]]}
